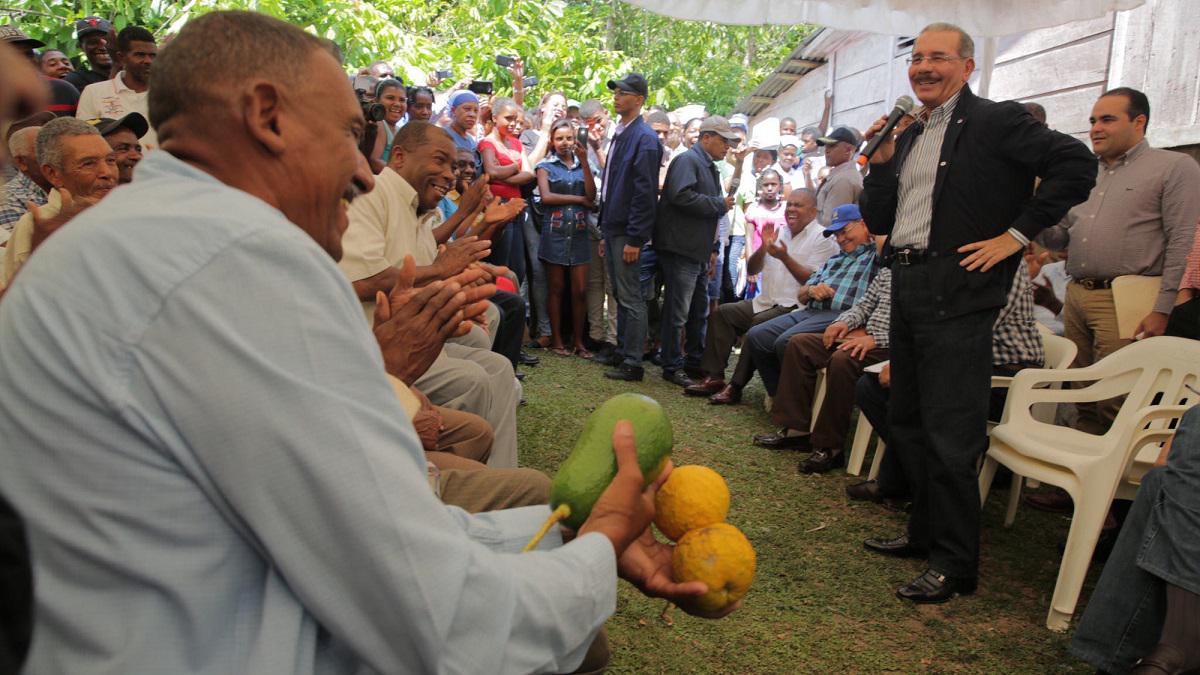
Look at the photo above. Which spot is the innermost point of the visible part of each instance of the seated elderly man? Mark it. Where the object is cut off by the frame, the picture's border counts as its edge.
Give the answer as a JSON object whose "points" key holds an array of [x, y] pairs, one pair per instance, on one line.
{"points": [[858, 338], [80, 167], [786, 259], [213, 452], [28, 184], [387, 225], [831, 290], [122, 136]]}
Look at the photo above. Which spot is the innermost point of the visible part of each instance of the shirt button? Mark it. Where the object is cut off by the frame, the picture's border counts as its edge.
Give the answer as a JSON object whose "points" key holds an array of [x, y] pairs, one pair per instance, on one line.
{"points": [[941, 164], [1085, 238]]}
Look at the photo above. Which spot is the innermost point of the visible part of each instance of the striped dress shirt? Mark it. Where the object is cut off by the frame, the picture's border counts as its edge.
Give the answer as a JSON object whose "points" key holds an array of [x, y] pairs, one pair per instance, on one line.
{"points": [[914, 213]]}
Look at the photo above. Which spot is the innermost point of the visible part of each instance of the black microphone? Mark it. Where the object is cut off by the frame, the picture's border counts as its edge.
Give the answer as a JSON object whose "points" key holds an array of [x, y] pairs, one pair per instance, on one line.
{"points": [[904, 105]]}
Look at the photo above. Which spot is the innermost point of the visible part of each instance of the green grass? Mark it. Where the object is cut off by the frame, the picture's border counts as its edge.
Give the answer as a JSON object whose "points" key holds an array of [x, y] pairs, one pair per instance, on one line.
{"points": [[820, 603]]}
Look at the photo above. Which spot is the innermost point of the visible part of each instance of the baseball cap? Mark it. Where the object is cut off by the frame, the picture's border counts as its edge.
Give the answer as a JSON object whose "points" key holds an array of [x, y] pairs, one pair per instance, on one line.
{"points": [[720, 126], [35, 120], [740, 120], [16, 36], [788, 139], [134, 122], [572, 103], [633, 83], [91, 24], [843, 135], [842, 216]]}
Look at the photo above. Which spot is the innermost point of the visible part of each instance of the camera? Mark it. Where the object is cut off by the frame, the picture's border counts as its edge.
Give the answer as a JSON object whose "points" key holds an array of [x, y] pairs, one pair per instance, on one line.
{"points": [[581, 136], [364, 89], [505, 61], [444, 74], [530, 81], [481, 87]]}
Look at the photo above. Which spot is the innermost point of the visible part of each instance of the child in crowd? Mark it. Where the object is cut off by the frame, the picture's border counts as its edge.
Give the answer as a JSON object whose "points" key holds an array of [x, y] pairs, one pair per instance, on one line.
{"points": [[789, 164], [420, 103], [568, 192], [768, 209], [391, 95], [787, 127], [508, 168]]}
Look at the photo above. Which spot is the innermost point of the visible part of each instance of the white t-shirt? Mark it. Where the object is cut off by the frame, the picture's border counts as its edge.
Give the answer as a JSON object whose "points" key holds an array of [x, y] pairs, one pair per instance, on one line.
{"points": [[114, 100], [809, 248]]}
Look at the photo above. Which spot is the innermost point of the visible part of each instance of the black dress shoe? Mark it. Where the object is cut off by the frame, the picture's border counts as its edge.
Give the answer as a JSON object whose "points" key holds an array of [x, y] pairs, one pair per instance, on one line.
{"points": [[626, 373], [694, 373], [899, 547], [607, 358], [822, 461], [678, 377], [933, 587], [520, 376], [528, 359], [866, 491], [781, 441]]}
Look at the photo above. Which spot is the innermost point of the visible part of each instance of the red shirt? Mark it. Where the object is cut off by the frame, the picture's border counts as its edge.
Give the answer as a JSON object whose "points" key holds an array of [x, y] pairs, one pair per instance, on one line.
{"points": [[500, 188]]}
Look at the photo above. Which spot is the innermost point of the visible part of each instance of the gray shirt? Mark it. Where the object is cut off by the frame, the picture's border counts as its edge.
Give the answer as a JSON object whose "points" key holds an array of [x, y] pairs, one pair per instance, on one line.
{"points": [[842, 186], [1139, 219]]}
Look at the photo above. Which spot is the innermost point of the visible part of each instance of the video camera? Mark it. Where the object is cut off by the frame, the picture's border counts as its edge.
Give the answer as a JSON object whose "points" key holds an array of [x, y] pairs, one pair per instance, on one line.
{"points": [[364, 90]]}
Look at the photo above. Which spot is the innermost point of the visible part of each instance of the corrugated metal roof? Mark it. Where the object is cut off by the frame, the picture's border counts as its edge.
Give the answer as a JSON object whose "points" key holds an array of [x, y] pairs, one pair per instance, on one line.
{"points": [[811, 53]]}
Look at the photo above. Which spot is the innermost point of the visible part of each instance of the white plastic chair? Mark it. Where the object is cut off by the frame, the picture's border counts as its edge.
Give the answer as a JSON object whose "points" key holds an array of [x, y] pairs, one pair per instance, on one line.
{"points": [[1060, 352], [1089, 467]]}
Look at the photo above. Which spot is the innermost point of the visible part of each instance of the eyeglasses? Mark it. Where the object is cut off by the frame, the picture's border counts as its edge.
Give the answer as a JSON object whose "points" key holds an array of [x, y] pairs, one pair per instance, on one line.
{"points": [[936, 59]]}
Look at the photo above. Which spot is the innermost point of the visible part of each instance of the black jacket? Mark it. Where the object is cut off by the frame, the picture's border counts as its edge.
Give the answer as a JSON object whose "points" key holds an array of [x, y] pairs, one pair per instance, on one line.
{"points": [[631, 183], [690, 206], [991, 155]]}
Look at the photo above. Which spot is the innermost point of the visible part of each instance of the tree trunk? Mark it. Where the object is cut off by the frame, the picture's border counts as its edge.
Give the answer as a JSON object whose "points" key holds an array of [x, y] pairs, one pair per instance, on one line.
{"points": [[751, 47], [610, 28]]}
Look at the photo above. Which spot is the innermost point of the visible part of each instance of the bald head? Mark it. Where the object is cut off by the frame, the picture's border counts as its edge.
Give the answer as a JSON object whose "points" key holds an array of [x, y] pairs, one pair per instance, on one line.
{"points": [[218, 54], [801, 209]]}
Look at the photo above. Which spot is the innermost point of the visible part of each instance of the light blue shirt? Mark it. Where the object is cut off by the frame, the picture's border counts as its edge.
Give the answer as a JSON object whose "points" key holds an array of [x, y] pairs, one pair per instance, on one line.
{"points": [[216, 476]]}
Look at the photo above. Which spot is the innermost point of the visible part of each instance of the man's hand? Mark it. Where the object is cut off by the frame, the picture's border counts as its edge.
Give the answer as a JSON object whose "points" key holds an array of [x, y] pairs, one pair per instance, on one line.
{"points": [[887, 148], [777, 250], [729, 201], [836, 331], [988, 253], [820, 292], [429, 426], [454, 256], [712, 265], [858, 346], [44, 226], [476, 195], [498, 213], [885, 376], [647, 565], [631, 253], [411, 324], [769, 235], [625, 509], [1153, 325]]}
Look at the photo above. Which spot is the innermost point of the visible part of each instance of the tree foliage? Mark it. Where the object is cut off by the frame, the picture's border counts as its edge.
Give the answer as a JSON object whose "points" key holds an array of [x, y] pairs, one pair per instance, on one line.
{"points": [[573, 46]]}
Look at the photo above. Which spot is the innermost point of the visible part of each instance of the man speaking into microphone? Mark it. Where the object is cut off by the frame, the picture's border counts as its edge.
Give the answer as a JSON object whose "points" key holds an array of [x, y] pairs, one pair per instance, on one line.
{"points": [[955, 193]]}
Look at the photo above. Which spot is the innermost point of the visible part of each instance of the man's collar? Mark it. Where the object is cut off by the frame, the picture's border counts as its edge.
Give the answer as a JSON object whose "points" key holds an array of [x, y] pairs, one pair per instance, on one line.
{"points": [[698, 149], [407, 192], [1134, 152]]}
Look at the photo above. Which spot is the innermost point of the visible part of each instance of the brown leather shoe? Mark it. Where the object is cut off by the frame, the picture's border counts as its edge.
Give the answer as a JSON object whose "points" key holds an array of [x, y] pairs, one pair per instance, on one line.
{"points": [[706, 387], [1054, 501], [730, 395]]}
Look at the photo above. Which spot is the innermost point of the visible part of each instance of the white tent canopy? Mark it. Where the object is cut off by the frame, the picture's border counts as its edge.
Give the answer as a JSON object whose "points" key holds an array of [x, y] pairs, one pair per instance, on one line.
{"points": [[983, 18]]}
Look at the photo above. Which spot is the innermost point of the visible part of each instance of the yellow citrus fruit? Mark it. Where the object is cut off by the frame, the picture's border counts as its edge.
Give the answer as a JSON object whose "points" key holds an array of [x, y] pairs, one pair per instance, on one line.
{"points": [[720, 556], [693, 496]]}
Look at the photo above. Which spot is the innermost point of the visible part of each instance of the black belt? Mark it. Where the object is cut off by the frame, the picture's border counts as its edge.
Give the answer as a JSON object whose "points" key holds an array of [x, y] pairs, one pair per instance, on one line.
{"points": [[911, 256], [1094, 284]]}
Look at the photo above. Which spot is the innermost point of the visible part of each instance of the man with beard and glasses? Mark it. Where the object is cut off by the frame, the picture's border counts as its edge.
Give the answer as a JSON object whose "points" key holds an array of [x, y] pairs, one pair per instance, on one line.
{"points": [[213, 452], [127, 92]]}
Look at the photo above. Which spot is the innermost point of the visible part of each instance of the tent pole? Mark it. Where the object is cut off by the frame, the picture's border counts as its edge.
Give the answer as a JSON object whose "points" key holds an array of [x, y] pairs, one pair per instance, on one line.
{"points": [[985, 70]]}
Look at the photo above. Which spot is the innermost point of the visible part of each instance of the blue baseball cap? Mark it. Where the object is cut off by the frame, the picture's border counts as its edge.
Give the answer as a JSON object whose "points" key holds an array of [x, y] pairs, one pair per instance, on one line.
{"points": [[842, 216]]}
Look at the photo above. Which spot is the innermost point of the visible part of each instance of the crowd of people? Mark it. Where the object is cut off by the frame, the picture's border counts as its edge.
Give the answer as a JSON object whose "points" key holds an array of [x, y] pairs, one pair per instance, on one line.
{"points": [[281, 345]]}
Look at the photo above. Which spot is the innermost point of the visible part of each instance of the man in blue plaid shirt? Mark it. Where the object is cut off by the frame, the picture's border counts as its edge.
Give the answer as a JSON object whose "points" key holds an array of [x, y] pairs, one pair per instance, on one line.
{"points": [[833, 289]]}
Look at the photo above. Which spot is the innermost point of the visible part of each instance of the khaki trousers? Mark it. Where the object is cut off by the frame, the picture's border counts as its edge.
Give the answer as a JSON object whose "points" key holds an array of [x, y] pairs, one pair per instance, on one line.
{"points": [[1090, 321]]}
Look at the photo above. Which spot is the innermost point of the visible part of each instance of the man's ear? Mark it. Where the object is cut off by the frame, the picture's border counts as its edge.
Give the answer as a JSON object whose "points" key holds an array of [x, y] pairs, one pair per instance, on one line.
{"points": [[52, 175], [262, 108]]}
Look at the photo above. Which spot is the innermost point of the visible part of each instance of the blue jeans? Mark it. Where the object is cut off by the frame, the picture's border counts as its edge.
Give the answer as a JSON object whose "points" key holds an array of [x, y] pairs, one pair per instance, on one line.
{"points": [[696, 331], [767, 341], [1159, 544], [733, 259], [684, 279], [535, 281], [508, 248], [631, 306]]}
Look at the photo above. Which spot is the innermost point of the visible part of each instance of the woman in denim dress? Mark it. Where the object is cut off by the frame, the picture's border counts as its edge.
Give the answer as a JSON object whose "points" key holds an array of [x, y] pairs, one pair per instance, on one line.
{"points": [[568, 192]]}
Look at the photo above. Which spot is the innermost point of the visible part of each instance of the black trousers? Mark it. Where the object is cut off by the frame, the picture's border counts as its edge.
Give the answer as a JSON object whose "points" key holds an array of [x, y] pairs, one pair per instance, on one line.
{"points": [[941, 382], [512, 325]]}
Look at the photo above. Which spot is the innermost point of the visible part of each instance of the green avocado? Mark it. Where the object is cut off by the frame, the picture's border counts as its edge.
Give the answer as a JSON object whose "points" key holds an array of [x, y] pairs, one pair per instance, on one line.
{"points": [[591, 466]]}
